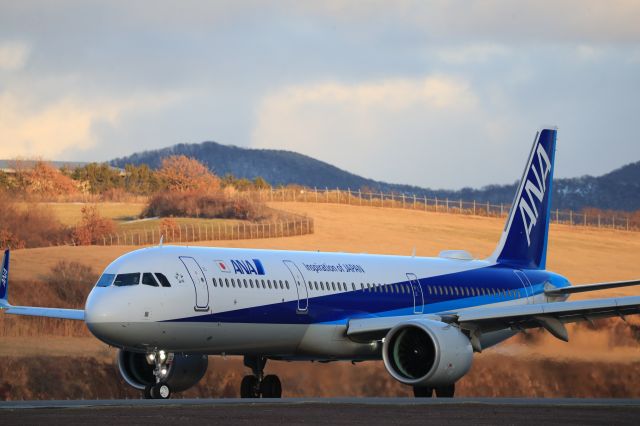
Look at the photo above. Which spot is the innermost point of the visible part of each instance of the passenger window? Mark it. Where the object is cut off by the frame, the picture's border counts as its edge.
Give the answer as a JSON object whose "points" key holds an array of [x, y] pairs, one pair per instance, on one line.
{"points": [[251, 283], [286, 283], [233, 283], [105, 280], [353, 286], [213, 280], [226, 280], [127, 279], [147, 279]]}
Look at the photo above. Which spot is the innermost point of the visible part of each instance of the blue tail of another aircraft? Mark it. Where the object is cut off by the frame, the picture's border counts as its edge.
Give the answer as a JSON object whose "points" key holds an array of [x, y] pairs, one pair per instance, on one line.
{"points": [[524, 240], [4, 279]]}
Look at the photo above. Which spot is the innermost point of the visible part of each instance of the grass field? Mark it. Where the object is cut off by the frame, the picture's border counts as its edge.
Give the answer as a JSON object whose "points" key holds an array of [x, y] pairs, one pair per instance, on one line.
{"points": [[584, 255], [71, 213]]}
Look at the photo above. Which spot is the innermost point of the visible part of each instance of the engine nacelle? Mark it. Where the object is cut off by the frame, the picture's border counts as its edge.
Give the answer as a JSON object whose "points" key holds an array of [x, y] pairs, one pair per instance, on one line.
{"points": [[426, 353], [183, 372]]}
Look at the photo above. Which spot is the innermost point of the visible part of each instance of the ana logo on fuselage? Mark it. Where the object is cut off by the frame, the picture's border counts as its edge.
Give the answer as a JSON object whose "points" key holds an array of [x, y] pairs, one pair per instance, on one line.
{"points": [[529, 208], [247, 267]]}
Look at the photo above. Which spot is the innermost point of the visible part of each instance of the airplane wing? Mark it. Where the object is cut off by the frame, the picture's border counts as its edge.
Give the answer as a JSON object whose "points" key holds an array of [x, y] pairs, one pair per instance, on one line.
{"points": [[74, 314], [588, 287], [476, 321]]}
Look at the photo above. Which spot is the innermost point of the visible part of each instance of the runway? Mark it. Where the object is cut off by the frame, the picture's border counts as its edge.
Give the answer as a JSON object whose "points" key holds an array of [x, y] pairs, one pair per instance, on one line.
{"points": [[316, 411]]}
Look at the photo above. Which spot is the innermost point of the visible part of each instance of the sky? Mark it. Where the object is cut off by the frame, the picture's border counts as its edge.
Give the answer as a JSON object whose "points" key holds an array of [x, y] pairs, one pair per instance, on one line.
{"points": [[440, 94]]}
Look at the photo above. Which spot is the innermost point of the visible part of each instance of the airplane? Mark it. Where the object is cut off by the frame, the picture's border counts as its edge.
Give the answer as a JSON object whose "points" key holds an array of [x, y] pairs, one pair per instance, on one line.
{"points": [[167, 308]]}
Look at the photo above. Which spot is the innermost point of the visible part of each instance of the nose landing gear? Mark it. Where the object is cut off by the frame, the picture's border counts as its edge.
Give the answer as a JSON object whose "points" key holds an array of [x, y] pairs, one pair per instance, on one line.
{"points": [[258, 385], [162, 362]]}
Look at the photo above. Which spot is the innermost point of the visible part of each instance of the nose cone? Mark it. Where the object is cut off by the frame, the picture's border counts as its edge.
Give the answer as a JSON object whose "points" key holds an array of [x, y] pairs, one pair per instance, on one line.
{"points": [[101, 316]]}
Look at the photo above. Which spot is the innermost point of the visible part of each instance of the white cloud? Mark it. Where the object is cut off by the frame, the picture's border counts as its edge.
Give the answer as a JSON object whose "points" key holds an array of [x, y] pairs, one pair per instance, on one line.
{"points": [[13, 55], [33, 129], [392, 130]]}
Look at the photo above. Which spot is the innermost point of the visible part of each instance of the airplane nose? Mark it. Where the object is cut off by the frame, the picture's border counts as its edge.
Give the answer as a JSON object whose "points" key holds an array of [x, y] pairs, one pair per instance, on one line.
{"points": [[101, 316]]}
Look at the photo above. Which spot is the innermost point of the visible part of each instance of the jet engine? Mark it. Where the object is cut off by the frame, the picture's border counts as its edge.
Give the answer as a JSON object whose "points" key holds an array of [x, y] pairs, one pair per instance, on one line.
{"points": [[182, 370], [426, 353]]}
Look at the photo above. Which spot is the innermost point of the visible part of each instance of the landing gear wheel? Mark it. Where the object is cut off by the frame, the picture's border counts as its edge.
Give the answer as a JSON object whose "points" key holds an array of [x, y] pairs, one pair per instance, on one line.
{"points": [[160, 391], [270, 387], [446, 391], [422, 392], [249, 387], [147, 392]]}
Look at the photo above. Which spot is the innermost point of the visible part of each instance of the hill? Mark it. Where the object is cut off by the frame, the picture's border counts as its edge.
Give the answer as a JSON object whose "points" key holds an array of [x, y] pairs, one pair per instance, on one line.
{"points": [[617, 190]]}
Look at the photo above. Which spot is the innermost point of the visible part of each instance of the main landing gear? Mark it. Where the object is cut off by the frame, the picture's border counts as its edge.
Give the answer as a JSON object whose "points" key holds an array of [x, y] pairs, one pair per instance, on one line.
{"points": [[258, 385], [162, 361], [440, 391]]}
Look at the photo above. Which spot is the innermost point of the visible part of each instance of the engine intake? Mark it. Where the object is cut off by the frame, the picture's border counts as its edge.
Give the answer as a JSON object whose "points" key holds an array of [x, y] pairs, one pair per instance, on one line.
{"points": [[426, 353], [183, 372]]}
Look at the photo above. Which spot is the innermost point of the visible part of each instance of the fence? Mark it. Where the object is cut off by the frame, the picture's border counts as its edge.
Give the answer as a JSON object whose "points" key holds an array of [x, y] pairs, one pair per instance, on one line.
{"points": [[184, 233], [445, 205]]}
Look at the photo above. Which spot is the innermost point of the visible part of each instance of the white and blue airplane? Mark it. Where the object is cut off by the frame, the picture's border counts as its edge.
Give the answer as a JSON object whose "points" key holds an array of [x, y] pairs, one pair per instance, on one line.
{"points": [[168, 307]]}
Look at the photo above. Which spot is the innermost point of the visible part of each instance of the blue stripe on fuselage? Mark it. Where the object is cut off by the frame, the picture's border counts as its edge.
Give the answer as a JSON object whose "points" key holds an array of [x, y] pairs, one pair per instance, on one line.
{"points": [[340, 307]]}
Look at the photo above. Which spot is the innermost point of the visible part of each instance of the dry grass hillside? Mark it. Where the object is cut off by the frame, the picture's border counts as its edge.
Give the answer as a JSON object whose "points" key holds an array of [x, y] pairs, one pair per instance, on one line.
{"points": [[601, 359]]}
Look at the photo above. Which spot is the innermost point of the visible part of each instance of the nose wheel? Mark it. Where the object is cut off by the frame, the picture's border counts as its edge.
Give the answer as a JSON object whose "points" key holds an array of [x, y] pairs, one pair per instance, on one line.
{"points": [[162, 363], [257, 385]]}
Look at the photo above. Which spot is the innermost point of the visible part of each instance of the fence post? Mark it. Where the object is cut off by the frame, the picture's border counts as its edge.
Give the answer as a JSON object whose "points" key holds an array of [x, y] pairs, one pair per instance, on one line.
{"points": [[425, 203], [461, 205], [348, 197], [613, 221], [501, 209], [326, 193], [474, 207], [571, 217], [585, 218], [557, 217], [414, 201], [360, 196], [627, 223], [488, 209], [403, 200], [436, 204], [316, 191]]}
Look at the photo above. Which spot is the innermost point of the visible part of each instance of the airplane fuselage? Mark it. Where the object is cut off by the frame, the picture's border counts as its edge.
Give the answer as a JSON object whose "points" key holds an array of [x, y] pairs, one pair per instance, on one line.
{"points": [[288, 304]]}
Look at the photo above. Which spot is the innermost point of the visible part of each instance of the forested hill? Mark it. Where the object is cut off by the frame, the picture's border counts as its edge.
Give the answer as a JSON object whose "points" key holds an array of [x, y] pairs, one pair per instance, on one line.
{"points": [[617, 190]]}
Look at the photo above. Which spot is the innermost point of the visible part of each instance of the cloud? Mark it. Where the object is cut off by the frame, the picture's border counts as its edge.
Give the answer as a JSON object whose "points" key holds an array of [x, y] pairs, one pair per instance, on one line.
{"points": [[393, 129], [13, 55], [34, 129]]}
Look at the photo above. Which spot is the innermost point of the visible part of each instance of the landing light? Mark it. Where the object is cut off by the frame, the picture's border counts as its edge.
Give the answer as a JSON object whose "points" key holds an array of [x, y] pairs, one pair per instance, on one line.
{"points": [[163, 372], [151, 357], [162, 355]]}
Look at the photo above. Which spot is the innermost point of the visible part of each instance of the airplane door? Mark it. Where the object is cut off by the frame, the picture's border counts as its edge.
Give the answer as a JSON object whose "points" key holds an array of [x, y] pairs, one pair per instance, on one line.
{"points": [[526, 284], [301, 286], [418, 297], [199, 283]]}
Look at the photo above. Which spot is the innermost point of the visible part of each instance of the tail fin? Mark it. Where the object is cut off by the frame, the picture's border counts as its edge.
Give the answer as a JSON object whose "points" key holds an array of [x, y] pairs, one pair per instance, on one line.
{"points": [[4, 280], [524, 239]]}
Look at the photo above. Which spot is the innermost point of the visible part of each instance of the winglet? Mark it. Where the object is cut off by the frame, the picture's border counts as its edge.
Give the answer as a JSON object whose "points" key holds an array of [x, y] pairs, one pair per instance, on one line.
{"points": [[4, 281]]}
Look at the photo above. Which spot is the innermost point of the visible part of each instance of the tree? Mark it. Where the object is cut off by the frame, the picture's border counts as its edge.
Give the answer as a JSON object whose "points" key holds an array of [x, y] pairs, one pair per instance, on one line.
{"points": [[43, 179], [260, 183], [140, 179], [183, 174], [92, 227], [101, 177]]}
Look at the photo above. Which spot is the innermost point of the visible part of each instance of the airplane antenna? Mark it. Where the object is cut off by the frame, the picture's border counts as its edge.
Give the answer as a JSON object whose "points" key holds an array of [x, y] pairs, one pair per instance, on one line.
{"points": [[161, 240], [413, 253]]}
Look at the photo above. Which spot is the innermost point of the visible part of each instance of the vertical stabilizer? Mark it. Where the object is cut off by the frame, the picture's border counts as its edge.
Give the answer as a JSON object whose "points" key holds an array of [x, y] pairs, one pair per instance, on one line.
{"points": [[4, 279], [524, 240]]}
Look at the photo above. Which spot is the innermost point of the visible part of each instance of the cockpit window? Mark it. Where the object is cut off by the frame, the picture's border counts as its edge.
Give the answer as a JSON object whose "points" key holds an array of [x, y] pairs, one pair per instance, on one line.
{"points": [[165, 282], [127, 279], [105, 280], [147, 279]]}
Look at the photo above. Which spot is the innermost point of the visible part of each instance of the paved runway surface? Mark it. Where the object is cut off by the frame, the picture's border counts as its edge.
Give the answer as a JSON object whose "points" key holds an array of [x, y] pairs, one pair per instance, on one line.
{"points": [[333, 411]]}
